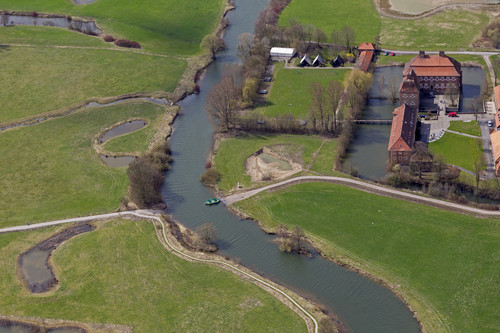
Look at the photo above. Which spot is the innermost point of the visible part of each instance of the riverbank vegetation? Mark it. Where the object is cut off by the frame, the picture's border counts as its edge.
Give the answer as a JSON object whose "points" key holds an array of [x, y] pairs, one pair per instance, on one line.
{"points": [[38, 80], [50, 170], [167, 27], [313, 152], [443, 263], [106, 275]]}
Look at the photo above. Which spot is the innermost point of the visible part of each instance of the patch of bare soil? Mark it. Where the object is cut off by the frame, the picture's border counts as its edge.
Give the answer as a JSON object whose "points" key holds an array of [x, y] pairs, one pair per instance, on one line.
{"points": [[274, 163]]}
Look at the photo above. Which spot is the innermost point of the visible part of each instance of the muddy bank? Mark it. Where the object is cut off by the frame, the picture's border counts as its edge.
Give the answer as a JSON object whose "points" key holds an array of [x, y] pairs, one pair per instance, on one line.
{"points": [[11, 326], [34, 264]]}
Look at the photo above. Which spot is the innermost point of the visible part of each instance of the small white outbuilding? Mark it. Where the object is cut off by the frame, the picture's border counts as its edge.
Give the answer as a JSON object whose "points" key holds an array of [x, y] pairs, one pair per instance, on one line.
{"points": [[282, 52]]}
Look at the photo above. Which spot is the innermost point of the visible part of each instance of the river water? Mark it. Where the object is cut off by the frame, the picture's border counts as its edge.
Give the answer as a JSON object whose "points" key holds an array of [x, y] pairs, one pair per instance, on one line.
{"points": [[361, 304]]}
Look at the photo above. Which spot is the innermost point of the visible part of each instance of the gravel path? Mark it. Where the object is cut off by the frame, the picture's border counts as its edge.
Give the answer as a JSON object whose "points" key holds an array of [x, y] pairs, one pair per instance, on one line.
{"points": [[367, 187]]}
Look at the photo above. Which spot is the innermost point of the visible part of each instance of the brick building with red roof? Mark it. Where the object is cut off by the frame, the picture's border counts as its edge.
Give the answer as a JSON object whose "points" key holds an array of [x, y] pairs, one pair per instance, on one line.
{"points": [[366, 53], [402, 139], [435, 72]]}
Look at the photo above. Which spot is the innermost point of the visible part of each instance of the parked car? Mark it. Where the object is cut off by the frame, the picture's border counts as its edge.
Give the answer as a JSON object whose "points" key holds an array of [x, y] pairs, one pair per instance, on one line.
{"points": [[268, 79], [452, 114], [386, 53], [490, 123], [393, 54], [262, 91]]}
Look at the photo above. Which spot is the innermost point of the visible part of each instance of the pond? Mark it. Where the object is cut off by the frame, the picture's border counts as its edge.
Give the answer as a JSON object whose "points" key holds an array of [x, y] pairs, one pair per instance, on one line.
{"points": [[128, 127], [60, 22], [419, 6]]}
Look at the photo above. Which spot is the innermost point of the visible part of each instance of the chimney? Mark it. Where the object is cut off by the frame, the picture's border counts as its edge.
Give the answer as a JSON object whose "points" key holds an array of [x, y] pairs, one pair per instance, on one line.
{"points": [[441, 53], [421, 54]]}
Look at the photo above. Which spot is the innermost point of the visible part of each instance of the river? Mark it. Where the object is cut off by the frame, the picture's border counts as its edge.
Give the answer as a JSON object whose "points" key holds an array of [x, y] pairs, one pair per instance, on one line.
{"points": [[360, 303]]}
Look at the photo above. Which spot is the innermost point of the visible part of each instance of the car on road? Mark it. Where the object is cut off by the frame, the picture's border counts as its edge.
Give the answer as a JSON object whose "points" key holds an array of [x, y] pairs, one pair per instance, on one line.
{"points": [[452, 114], [393, 54], [262, 91], [267, 79], [490, 123]]}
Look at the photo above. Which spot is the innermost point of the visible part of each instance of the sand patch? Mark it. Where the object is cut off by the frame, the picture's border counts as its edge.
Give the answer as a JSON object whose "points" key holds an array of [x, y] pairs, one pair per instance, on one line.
{"points": [[275, 162]]}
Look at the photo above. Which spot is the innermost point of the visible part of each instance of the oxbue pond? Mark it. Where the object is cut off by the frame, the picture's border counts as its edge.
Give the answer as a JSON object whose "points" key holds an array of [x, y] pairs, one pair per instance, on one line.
{"points": [[419, 6]]}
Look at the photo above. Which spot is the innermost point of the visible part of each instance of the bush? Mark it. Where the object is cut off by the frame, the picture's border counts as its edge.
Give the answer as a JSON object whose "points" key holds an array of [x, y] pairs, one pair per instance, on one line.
{"points": [[159, 157], [128, 43], [145, 183], [34, 14], [208, 165], [210, 177], [109, 39]]}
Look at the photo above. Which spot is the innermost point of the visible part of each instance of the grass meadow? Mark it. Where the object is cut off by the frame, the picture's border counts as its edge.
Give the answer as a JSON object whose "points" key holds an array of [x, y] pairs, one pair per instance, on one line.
{"points": [[50, 170], [292, 86], [470, 127], [457, 150], [36, 80], [445, 264], [232, 153], [121, 274], [167, 26], [137, 141]]}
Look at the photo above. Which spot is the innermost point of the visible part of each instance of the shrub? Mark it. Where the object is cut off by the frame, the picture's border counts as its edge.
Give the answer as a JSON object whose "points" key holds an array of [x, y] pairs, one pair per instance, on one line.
{"points": [[109, 39], [34, 14], [145, 183], [210, 177], [208, 165], [128, 43], [69, 18]]}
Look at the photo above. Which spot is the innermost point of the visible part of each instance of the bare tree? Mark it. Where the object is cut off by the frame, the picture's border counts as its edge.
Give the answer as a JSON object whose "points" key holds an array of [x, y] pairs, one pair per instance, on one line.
{"points": [[207, 233], [349, 37], [318, 104], [213, 44], [297, 236], [336, 38], [478, 168], [335, 91], [439, 166], [393, 89], [246, 42], [222, 100], [145, 183], [309, 32], [476, 105], [381, 85], [420, 156], [453, 94], [319, 36]]}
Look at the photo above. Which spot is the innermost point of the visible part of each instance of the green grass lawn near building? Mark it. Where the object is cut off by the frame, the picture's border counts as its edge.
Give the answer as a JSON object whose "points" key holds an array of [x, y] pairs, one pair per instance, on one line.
{"points": [[232, 153], [36, 80], [458, 150], [292, 86], [329, 15], [50, 170], [445, 264], [121, 274], [470, 127], [167, 26]]}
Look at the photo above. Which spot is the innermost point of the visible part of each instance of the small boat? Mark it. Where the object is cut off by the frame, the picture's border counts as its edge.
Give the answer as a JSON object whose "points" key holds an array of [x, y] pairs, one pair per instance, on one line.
{"points": [[213, 201]]}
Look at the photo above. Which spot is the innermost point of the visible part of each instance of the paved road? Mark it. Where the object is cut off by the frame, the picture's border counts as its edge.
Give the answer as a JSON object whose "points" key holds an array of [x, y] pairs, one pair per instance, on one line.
{"points": [[381, 190], [150, 214], [480, 53]]}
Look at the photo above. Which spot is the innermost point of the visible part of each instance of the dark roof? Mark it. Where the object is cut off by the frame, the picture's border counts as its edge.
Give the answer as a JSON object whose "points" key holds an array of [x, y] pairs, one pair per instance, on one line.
{"points": [[305, 60], [318, 60]]}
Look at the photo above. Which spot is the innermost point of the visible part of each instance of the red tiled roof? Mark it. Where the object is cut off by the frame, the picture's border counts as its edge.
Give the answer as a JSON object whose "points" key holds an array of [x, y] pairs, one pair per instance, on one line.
{"points": [[432, 60], [364, 60], [435, 71], [404, 122], [497, 97], [497, 120], [495, 142], [366, 47]]}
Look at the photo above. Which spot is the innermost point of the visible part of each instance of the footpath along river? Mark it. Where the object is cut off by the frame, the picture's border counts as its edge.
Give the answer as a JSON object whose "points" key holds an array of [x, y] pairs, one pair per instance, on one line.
{"points": [[360, 303]]}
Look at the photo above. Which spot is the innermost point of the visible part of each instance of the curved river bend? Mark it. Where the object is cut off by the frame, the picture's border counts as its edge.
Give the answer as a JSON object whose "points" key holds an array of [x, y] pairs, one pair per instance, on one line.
{"points": [[360, 303]]}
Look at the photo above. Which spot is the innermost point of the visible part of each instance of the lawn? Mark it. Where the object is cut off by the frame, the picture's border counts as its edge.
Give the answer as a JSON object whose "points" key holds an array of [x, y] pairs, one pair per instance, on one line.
{"points": [[470, 127], [436, 32], [121, 274], [134, 142], [39, 80], [50, 170], [167, 26], [457, 149], [445, 264], [232, 152], [329, 15], [291, 86]]}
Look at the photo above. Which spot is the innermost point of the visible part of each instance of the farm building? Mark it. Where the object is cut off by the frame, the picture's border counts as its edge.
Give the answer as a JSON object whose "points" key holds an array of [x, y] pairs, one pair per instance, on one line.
{"points": [[338, 61], [495, 143], [402, 139], [282, 53], [318, 61], [305, 61], [366, 53]]}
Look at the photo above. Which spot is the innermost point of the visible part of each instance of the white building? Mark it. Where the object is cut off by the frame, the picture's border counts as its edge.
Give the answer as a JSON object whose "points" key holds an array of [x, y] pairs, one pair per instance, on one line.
{"points": [[282, 52]]}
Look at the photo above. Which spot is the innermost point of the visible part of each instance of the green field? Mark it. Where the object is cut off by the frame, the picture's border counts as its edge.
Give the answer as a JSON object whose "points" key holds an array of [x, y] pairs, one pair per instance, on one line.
{"points": [[458, 150], [231, 154], [328, 15], [121, 274], [134, 142], [291, 86], [445, 264], [470, 127], [39, 80], [50, 170], [436, 32], [159, 26]]}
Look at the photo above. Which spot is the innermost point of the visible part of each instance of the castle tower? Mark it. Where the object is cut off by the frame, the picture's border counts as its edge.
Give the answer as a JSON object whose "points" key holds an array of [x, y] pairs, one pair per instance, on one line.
{"points": [[409, 90]]}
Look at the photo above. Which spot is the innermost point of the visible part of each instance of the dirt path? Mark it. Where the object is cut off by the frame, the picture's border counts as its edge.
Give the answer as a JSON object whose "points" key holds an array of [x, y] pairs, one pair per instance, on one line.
{"points": [[367, 187], [154, 215]]}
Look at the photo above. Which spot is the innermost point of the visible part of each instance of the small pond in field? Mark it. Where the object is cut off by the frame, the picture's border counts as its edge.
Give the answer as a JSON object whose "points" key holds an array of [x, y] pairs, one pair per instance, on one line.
{"points": [[60, 22], [83, 2], [11, 326], [268, 159], [419, 6], [128, 127]]}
